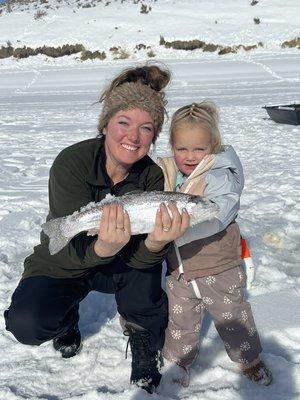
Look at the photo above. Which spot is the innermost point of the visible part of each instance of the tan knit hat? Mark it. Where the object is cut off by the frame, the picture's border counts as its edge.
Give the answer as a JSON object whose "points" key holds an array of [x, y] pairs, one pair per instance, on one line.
{"points": [[131, 95]]}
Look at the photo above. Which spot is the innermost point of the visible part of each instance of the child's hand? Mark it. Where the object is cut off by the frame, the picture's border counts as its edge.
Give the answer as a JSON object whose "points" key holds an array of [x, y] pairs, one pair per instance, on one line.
{"points": [[167, 228]]}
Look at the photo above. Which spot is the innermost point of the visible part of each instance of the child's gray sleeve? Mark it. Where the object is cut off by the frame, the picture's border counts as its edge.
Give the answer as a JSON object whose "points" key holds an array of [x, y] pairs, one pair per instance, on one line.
{"points": [[224, 189]]}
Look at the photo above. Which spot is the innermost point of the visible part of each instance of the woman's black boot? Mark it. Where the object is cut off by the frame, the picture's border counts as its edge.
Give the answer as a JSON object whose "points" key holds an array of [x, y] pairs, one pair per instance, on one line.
{"points": [[69, 344], [145, 364]]}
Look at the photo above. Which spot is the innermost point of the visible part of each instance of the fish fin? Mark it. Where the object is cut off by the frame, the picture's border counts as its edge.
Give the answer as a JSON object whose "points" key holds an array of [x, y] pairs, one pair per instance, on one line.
{"points": [[57, 240]]}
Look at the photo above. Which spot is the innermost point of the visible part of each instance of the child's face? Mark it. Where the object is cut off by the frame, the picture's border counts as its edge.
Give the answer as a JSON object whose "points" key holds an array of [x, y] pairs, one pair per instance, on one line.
{"points": [[190, 145]]}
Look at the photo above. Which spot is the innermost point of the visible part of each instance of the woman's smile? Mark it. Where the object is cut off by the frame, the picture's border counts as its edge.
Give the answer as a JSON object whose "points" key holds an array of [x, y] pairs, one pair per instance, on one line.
{"points": [[129, 147]]}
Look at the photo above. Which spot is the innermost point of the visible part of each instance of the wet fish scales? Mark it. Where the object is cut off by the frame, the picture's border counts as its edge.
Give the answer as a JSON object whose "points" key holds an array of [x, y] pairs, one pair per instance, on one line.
{"points": [[141, 207]]}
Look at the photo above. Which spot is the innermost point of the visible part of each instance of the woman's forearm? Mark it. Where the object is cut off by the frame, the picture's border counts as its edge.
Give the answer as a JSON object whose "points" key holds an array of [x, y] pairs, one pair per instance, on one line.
{"points": [[154, 246]]}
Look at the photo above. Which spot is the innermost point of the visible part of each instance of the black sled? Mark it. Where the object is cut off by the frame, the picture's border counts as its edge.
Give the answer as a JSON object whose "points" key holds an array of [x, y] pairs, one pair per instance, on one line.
{"points": [[284, 114]]}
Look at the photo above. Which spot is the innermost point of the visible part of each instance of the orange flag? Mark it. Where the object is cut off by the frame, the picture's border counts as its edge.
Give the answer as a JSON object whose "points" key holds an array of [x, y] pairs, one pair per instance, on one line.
{"points": [[248, 262]]}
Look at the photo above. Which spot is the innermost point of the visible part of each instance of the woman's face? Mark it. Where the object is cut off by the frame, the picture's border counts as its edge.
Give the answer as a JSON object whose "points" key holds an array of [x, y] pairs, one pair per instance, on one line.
{"points": [[128, 137]]}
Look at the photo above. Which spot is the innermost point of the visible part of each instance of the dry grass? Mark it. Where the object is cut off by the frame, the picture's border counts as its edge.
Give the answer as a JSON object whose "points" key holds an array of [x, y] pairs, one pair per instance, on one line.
{"points": [[145, 9], [119, 53], [211, 47], [92, 55], [291, 43], [182, 44], [54, 52], [151, 53], [40, 14]]}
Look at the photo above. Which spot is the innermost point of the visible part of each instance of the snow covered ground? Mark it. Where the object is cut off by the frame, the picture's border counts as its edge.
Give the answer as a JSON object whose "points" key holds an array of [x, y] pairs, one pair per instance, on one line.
{"points": [[46, 105], [120, 23]]}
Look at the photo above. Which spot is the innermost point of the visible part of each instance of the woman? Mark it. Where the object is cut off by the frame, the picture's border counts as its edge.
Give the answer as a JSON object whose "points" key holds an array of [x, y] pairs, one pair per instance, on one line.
{"points": [[45, 304]]}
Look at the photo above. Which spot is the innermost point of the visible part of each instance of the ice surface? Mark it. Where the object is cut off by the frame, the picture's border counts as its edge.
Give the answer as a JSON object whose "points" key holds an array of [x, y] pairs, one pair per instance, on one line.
{"points": [[47, 105]]}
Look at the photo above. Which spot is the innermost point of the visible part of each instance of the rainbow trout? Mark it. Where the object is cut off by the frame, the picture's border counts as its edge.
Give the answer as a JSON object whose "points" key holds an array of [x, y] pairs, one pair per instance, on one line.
{"points": [[141, 207]]}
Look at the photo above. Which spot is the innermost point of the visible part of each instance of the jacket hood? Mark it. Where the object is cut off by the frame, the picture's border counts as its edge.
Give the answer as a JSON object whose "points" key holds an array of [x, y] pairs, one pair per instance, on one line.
{"points": [[228, 159]]}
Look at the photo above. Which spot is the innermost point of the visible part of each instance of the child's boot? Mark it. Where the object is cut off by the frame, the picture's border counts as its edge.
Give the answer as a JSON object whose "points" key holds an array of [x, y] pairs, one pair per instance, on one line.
{"points": [[259, 374], [176, 373], [182, 377]]}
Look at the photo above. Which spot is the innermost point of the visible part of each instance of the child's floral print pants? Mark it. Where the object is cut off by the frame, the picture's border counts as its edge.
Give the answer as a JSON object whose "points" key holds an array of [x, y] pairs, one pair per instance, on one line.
{"points": [[222, 296]]}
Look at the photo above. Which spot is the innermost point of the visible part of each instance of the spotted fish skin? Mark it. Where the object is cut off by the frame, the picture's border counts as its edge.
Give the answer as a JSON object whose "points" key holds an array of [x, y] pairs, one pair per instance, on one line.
{"points": [[141, 207]]}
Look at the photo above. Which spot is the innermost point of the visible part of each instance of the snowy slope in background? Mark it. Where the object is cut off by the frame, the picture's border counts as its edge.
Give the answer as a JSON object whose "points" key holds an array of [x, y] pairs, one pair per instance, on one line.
{"points": [[122, 24], [48, 105]]}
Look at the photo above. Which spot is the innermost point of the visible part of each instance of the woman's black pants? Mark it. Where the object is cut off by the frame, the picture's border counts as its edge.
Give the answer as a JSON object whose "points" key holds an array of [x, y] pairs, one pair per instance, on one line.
{"points": [[43, 308]]}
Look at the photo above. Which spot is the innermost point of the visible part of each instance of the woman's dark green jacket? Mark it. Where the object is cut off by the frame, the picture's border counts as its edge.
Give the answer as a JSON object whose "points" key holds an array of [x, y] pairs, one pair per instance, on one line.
{"points": [[77, 177]]}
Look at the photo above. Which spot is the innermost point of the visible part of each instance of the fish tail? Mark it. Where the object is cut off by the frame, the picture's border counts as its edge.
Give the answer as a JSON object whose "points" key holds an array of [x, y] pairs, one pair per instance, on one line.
{"points": [[57, 239]]}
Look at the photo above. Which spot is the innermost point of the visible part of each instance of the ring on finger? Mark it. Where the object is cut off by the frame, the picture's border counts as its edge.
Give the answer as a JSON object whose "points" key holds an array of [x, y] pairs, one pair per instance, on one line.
{"points": [[166, 228]]}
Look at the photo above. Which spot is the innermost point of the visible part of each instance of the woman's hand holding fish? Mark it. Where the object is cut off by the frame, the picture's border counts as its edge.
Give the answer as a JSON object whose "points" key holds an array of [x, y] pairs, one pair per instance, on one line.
{"points": [[114, 232], [167, 228]]}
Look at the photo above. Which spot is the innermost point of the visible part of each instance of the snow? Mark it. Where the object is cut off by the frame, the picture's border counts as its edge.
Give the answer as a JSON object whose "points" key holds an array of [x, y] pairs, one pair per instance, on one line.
{"points": [[121, 23], [47, 104]]}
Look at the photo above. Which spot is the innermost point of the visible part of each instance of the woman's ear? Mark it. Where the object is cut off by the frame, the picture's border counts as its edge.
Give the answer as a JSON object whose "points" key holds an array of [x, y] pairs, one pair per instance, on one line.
{"points": [[104, 131]]}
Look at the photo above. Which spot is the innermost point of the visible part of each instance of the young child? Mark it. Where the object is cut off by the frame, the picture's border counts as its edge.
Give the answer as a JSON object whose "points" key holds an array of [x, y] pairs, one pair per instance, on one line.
{"points": [[204, 271]]}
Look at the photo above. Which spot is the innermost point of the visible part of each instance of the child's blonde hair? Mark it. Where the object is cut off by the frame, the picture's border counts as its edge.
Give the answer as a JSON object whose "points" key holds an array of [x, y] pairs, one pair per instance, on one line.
{"points": [[205, 114]]}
